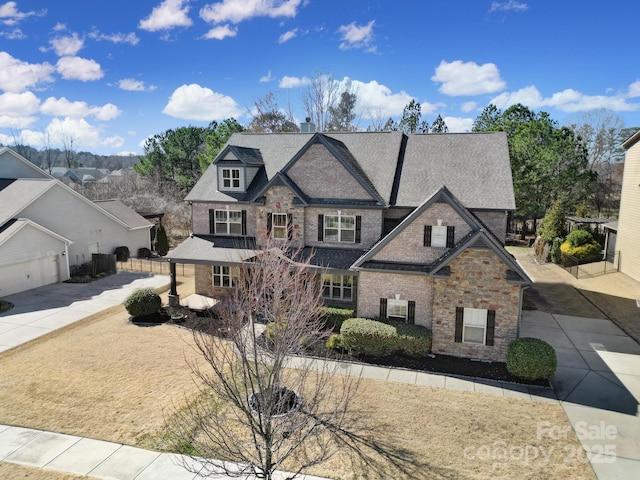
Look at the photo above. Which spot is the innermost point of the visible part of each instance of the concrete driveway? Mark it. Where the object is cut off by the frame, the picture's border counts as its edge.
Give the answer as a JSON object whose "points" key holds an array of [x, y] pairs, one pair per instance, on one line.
{"points": [[598, 377], [42, 310]]}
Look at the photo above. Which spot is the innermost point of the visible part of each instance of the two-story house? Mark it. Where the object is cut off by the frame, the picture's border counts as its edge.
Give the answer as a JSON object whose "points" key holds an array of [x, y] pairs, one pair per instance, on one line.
{"points": [[399, 226]]}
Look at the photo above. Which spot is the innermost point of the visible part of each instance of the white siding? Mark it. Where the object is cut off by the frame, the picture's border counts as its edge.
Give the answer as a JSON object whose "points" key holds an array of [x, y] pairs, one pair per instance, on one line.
{"points": [[63, 213], [11, 167], [29, 243], [629, 221]]}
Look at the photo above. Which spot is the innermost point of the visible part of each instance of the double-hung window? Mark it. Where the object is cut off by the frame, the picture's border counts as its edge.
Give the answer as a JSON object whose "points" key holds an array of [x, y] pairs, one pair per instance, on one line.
{"points": [[337, 287], [397, 309], [475, 325], [231, 178], [340, 228], [228, 222], [221, 276], [439, 236], [279, 226]]}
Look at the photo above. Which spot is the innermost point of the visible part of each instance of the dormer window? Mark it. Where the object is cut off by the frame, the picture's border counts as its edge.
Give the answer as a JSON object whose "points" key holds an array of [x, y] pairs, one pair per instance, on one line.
{"points": [[231, 179]]}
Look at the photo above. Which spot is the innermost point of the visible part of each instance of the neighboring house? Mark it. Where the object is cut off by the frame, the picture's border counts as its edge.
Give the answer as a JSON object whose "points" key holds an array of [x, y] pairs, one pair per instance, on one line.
{"points": [[410, 227], [47, 229], [629, 218]]}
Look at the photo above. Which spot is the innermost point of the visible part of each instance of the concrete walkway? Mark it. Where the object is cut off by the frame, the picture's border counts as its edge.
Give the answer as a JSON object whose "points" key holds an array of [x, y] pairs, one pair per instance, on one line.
{"points": [[45, 309], [598, 375]]}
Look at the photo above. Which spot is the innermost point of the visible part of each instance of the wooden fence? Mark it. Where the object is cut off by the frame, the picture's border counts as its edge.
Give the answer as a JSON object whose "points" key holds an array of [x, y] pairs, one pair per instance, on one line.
{"points": [[155, 265]]}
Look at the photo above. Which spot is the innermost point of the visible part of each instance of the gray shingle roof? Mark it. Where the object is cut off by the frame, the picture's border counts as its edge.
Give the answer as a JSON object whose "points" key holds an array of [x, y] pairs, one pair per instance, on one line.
{"points": [[19, 193], [124, 214]]}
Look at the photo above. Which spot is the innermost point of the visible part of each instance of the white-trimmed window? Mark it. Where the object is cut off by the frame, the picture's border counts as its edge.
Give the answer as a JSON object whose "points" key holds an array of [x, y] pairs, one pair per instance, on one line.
{"points": [[337, 287], [221, 276], [438, 236], [340, 228], [230, 179], [279, 226], [474, 326], [397, 309], [228, 222]]}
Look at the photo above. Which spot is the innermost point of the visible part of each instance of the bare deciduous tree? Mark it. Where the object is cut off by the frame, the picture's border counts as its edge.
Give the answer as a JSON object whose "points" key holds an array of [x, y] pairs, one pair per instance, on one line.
{"points": [[321, 95], [257, 412]]}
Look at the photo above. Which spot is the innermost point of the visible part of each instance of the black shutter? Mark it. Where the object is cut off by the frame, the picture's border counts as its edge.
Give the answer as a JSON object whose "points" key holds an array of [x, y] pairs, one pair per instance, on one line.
{"points": [[289, 226], [269, 223], [450, 236], [383, 308], [459, 324], [358, 229], [411, 313], [491, 327], [320, 228], [212, 221], [244, 223], [427, 235]]}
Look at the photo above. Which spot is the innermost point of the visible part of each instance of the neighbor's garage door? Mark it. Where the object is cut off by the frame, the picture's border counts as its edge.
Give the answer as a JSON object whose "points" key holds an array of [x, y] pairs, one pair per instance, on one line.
{"points": [[27, 275]]}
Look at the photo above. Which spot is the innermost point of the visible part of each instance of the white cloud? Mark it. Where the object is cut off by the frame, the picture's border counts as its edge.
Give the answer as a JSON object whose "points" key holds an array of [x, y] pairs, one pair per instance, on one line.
{"points": [[467, 107], [18, 109], [375, 100], [10, 15], [193, 102], [510, 5], [221, 32], [78, 68], [458, 124], [59, 27], [294, 82], [354, 36], [634, 90], [17, 76], [84, 135], [15, 34], [130, 38], [568, 100], [169, 14], [286, 36], [61, 107], [67, 46], [133, 85], [236, 11], [468, 78], [266, 78]]}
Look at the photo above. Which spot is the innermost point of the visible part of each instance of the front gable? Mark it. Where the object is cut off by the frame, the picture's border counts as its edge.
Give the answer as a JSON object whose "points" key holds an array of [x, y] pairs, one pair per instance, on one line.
{"points": [[236, 168], [13, 165], [325, 170]]}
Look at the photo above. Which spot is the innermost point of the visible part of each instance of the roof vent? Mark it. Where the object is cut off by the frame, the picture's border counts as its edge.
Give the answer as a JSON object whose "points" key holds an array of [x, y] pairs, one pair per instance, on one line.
{"points": [[307, 126]]}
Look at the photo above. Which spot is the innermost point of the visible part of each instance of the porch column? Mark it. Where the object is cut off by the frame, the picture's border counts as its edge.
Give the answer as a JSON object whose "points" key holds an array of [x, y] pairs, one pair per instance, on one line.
{"points": [[174, 298]]}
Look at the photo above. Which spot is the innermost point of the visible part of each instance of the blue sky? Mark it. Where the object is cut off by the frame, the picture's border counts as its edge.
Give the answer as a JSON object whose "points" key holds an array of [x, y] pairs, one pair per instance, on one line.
{"points": [[109, 74]]}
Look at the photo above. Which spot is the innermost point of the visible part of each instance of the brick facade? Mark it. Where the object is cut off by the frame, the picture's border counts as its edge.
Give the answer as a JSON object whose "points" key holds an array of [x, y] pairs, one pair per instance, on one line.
{"points": [[477, 280], [371, 229], [376, 285]]}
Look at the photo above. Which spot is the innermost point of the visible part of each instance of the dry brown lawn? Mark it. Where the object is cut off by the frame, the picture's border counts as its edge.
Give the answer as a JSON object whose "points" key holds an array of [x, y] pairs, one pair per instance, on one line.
{"points": [[9, 471], [108, 379]]}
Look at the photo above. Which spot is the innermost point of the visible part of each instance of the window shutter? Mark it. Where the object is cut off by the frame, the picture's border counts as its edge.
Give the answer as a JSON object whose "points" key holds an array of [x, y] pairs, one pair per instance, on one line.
{"points": [[289, 226], [320, 228], [411, 312], [491, 327], [269, 223], [459, 324], [358, 229], [450, 236], [212, 221], [244, 222], [427, 235], [383, 308]]}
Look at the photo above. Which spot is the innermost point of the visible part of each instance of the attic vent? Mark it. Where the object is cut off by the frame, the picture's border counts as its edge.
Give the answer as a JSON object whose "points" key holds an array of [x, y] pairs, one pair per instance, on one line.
{"points": [[478, 244], [307, 126]]}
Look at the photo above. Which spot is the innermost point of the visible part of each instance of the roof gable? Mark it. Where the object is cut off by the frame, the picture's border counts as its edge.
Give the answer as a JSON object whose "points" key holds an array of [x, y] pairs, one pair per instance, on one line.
{"points": [[239, 155], [340, 161], [19, 225], [13, 165], [281, 180]]}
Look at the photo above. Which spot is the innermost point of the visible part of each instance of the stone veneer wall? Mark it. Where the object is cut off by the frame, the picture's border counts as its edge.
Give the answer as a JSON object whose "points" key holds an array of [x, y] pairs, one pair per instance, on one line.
{"points": [[280, 200], [477, 280], [372, 286], [408, 245]]}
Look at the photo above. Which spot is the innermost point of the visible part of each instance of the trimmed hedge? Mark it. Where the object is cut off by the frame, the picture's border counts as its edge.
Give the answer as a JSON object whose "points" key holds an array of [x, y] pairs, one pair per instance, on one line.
{"points": [[531, 359], [587, 252], [143, 302], [334, 317], [577, 238], [334, 342], [362, 336], [122, 253]]}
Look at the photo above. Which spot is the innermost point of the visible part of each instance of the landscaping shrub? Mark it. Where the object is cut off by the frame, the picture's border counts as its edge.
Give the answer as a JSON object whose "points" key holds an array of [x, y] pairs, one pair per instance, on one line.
{"points": [[162, 242], [556, 254], [362, 336], [585, 253], [553, 223], [334, 342], [334, 317], [143, 302], [122, 253], [531, 359], [577, 238], [144, 252]]}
